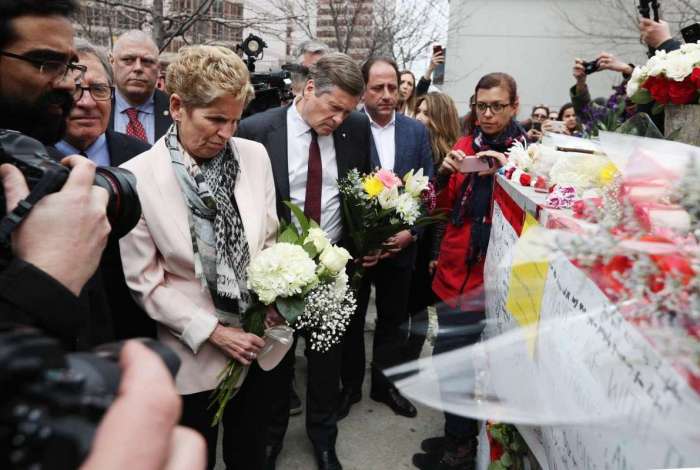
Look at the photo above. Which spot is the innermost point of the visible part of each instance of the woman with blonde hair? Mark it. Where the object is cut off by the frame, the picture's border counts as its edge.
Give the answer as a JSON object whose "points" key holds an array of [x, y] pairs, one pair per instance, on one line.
{"points": [[208, 202]]}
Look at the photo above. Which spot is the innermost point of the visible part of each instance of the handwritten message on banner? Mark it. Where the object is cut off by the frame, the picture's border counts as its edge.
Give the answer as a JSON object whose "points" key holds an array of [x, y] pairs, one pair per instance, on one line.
{"points": [[620, 370]]}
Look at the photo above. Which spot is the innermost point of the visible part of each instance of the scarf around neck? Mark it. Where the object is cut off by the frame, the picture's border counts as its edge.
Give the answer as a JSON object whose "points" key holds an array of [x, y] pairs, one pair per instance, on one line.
{"points": [[221, 252], [474, 197]]}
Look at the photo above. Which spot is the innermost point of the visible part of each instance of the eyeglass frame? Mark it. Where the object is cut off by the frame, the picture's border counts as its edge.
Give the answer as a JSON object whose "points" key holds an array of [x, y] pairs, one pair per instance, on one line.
{"points": [[490, 106], [41, 63], [80, 90]]}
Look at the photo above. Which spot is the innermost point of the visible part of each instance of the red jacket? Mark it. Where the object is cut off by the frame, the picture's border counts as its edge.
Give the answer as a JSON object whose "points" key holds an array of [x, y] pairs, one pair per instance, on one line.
{"points": [[454, 283]]}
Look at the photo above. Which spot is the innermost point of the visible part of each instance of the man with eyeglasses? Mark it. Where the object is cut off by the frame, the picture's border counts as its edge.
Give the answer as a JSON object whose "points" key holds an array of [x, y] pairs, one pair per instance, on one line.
{"points": [[138, 108], [87, 134]]}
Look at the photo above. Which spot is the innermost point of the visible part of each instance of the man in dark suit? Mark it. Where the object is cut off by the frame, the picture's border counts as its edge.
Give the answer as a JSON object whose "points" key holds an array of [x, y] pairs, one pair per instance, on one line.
{"points": [[138, 108], [400, 144], [87, 134], [311, 143]]}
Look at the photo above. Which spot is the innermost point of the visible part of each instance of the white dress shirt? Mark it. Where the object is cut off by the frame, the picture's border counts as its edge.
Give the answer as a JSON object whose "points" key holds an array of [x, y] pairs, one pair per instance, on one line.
{"points": [[298, 141], [385, 141]]}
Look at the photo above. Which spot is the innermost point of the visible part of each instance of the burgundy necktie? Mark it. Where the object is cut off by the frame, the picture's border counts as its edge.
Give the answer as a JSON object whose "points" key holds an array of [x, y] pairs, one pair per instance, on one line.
{"points": [[134, 128], [314, 180]]}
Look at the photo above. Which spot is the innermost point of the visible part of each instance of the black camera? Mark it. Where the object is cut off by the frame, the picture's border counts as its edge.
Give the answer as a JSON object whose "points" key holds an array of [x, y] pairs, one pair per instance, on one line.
{"points": [[591, 66], [691, 33], [45, 176], [50, 402], [271, 89]]}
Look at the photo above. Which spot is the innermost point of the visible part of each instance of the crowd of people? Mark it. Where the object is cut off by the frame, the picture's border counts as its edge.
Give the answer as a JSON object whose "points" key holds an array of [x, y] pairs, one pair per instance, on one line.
{"points": [[212, 188]]}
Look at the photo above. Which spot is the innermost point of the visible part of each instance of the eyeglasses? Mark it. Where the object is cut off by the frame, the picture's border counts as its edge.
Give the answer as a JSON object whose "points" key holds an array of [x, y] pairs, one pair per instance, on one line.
{"points": [[52, 68], [496, 108], [98, 92], [540, 116]]}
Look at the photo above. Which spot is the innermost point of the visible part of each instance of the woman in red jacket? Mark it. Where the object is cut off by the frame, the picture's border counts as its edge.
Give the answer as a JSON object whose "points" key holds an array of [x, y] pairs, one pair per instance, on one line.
{"points": [[459, 272]]}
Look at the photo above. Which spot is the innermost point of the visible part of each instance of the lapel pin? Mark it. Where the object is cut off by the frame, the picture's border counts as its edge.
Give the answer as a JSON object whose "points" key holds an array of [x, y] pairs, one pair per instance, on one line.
{"points": [[344, 135]]}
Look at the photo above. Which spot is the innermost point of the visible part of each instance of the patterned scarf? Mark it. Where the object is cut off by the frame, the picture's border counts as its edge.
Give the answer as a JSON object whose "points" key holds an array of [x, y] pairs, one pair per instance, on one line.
{"points": [[474, 199], [221, 252]]}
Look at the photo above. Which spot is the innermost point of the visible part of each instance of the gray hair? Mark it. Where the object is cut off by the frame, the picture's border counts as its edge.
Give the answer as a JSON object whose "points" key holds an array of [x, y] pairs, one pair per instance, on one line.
{"points": [[337, 69], [134, 35], [311, 47], [85, 47]]}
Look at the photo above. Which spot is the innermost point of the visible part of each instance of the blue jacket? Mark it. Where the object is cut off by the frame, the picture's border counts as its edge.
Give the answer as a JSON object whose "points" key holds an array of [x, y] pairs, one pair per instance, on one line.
{"points": [[412, 152]]}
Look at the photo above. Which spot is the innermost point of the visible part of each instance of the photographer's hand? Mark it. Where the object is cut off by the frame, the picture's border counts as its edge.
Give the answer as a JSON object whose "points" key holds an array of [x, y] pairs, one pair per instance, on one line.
{"points": [[579, 72], [65, 232], [139, 431], [437, 58], [654, 33], [607, 61]]}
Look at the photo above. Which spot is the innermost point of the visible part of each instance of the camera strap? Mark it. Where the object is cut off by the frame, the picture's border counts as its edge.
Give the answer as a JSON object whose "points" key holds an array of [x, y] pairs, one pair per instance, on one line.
{"points": [[15, 217]]}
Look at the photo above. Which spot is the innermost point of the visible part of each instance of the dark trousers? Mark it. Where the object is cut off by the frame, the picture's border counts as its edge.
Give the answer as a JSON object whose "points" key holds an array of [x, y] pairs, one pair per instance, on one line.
{"points": [[322, 397], [392, 284], [245, 423], [456, 330]]}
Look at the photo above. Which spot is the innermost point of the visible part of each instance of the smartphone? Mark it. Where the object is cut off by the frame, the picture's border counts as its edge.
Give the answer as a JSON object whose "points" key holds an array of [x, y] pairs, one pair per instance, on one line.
{"points": [[558, 126], [691, 34], [437, 48], [474, 164], [536, 125]]}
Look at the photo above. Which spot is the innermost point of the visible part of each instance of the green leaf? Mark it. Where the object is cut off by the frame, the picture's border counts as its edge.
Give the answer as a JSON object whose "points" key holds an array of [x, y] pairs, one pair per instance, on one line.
{"points": [[301, 218], [289, 235], [642, 97], [254, 319], [497, 465], [311, 250], [290, 308], [506, 459], [657, 108]]}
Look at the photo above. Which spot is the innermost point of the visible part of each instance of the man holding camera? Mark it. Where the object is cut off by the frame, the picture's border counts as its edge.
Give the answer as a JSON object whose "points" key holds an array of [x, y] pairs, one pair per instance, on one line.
{"points": [[57, 247]]}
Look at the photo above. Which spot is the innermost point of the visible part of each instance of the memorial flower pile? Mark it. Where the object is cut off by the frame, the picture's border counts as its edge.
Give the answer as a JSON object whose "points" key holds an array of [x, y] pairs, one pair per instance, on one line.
{"points": [[672, 77], [379, 205], [644, 254], [303, 277]]}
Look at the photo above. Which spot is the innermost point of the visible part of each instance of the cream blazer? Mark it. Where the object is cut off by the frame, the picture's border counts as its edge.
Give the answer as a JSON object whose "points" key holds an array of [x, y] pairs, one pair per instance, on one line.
{"points": [[159, 261]]}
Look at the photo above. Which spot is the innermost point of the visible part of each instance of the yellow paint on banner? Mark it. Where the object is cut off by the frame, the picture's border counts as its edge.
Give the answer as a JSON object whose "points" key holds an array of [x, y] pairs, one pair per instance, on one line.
{"points": [[528, 276]]}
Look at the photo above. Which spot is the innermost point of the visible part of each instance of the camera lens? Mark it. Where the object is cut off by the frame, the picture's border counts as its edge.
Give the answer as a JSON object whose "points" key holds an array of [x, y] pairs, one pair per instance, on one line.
{"points": [[124, 208]]}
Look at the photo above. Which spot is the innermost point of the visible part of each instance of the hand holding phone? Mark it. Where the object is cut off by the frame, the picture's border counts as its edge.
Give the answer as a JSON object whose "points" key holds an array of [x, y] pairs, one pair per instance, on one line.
{"points": [[474, 164]]}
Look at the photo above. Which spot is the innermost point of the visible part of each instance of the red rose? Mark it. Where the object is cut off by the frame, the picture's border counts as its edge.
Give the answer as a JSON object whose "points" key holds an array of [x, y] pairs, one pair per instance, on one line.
{"points": [[525, 179], [695, 77], [658, 87], [541, 183], [682, 92]]}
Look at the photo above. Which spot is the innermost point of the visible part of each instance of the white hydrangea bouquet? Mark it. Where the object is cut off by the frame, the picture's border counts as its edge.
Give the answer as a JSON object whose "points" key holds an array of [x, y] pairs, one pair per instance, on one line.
{"points": [[303, 276], [668, 77], [379, 205]]}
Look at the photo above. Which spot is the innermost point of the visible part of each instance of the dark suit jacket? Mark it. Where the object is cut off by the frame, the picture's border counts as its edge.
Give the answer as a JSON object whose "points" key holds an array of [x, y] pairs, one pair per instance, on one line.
{"points": [[351, 139], [412, 152], [112, 311], [161, 114], [128, 318]]}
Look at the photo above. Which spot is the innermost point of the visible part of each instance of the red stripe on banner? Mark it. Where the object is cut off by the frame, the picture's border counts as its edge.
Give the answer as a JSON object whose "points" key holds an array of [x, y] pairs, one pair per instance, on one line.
{"points": [[511, 210]]}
